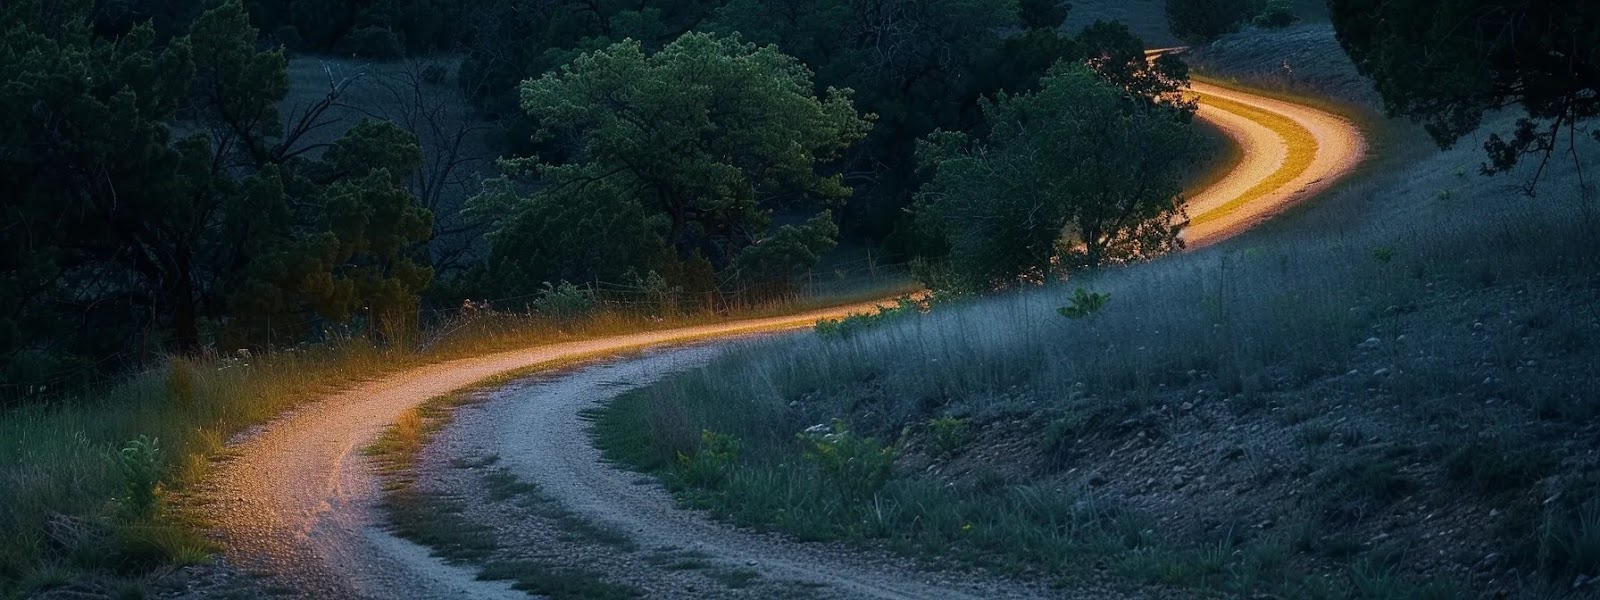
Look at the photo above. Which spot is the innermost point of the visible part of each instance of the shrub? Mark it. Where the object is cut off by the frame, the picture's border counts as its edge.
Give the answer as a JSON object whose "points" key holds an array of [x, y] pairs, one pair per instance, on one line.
{"points": [[1277, 13], [710, 463], [859, 466], [1084, 303], [949, 434], [564, 301], [141, 466]]}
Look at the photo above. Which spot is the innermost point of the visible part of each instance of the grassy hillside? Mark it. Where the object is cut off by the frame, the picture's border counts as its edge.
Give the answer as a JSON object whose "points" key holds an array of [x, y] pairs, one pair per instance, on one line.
{"points": [[1387, 395]]}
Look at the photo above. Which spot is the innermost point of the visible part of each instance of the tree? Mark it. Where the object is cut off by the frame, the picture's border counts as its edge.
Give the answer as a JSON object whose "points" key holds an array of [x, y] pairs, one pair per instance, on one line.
{"points": [[180, 209], [1076, 175], [920, 65], [708, 136], [508, 41], [1197, 21], [1447, 62]]}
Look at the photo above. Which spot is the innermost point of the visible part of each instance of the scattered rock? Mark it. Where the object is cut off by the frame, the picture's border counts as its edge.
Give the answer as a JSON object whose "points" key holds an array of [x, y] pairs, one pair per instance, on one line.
{"points": [[1372, 343]]}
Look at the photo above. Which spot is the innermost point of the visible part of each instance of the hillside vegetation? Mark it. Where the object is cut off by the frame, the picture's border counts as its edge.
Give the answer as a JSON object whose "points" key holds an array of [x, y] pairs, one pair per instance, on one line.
{"points": [[1385, 395]]}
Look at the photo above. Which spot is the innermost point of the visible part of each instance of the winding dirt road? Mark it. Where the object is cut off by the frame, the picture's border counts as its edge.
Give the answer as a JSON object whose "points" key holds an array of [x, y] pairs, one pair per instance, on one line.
{"points": [[298, 497], [1290, 152]]}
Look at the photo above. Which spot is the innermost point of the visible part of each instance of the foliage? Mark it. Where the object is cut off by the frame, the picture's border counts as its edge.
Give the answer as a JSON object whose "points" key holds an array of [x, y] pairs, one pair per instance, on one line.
{"points": [[949, 434], [1445, 63], [179, 201], [564, 232], [1197, 21], [1084, 303], [788, 252], [858, 466], [565, 301], [1047, 190], [709, 464], [682, 153], [947, 54], [515, 39], [141, 467]]}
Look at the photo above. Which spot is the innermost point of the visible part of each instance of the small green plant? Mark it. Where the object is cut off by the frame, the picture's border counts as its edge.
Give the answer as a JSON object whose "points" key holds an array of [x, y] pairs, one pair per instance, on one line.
{"points": [[140, 464], [950, 435], [1084, 303], [711, 462], [859, 466], [1444, 194], [1383, 254]]}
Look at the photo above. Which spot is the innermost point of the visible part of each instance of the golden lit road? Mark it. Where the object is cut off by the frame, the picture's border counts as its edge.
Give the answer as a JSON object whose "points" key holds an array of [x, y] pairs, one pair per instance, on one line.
{"points": [[1290, 152]]}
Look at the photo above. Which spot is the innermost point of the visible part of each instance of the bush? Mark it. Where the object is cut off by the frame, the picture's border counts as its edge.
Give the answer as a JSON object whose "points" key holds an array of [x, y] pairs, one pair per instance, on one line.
{"points": [[564, 301], [141, 466], [1277, 13], [859, 466]]}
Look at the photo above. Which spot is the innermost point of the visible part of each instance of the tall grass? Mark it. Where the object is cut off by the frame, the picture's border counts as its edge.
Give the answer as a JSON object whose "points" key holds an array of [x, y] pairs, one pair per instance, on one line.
{"points": [[65, 497]]}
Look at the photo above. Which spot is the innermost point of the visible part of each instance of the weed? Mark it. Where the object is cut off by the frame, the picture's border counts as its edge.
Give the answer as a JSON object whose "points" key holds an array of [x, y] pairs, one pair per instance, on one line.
{"points": [[708, 466], [1083, 304], [950, 435], [141, 466], [859, 466]]}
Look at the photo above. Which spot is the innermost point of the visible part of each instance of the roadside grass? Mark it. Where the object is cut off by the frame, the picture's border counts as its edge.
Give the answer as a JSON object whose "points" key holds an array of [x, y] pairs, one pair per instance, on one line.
{"points": [[1271, 324], [66, 494]]}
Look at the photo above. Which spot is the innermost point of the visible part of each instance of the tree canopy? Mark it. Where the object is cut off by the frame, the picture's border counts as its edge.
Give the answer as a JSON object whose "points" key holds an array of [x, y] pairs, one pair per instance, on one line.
{"points": [[1446, 63], [1075, 175], [687, 150], [154, 194]]}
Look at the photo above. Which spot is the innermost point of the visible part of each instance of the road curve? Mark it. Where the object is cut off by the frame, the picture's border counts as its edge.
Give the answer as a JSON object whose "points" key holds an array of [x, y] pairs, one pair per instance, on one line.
{"points": [[297, 496], [539, 434], [1290, 152]]}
